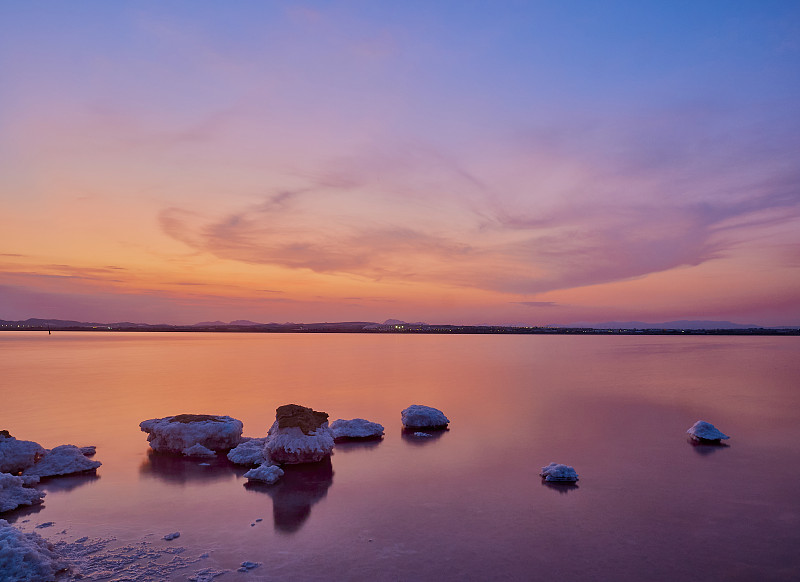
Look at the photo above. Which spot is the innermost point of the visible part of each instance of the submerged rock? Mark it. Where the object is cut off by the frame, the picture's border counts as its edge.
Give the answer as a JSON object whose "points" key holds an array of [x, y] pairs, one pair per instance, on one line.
{"points": [[174, 434], [16, 455], [250, 452], [27, 557], [555, 472], [63, 460], [357, 428], [14, 492], [705, 431], [299, 435], [418, 416], [268, 474]]}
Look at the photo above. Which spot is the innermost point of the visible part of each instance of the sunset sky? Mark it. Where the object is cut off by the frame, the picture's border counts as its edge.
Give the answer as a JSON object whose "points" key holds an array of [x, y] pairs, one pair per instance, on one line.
{"points": [[499, 162]]}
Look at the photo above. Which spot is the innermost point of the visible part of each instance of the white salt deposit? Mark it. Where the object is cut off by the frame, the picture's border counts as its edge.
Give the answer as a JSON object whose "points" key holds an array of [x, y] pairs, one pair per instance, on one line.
{"points": [[63, 460], [268, 474], [703, 430], [422, 435], [198, 450], [16, 455], [171, 536], [418, 416], [246, 566], [291, 445], [15, 493], [357, 428], [173, 434], [249, 452], [557, 472], [27, 557]]}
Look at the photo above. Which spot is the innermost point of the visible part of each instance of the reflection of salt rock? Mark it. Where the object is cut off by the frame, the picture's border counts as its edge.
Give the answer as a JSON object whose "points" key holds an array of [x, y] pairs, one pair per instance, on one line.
{"points": [[299, 435], [418, 416], [63, 460], [250, 452], [268, 474], [556, 472], [173, 434], [705, 431], [16, 455], [357, 428], [14, 493], [198, 450], [27, 557]]}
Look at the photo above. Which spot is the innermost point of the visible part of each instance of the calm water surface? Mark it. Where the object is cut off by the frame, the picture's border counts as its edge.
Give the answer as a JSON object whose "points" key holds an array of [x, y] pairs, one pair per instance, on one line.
{"points": [[465, 505]]}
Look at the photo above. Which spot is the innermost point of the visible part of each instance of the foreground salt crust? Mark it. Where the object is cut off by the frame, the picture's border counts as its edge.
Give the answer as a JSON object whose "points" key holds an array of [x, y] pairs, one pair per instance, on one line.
{"points": [[27, 557], [705, 431], [266, 473], [356, 428], [419, 416], [17, 455], [174, 434], [62, 460], [558, 472], [14, 492], [299, 435], [250, 452]]}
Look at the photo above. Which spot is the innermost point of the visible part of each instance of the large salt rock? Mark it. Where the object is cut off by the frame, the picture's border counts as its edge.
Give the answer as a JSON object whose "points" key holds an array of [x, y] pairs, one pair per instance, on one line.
{"points": [[63, 460], [14, 493], [266, 473], [559, 473], [357, 428], [299, 435], [173, 434], [249, 452], [705, 431], [27, 557], [16, 455], [418, 416]]}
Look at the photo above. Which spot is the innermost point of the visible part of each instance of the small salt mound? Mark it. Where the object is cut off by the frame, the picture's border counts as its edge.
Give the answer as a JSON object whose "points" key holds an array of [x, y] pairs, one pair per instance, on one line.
{"points": [[171, 536], [705, 431], [357, 428], [14, 493], [199, 450], [16, 455], [250, 452], [268, 474], [173, 434], [418, 416], [557, 472], [63, 460], [27, 557]]}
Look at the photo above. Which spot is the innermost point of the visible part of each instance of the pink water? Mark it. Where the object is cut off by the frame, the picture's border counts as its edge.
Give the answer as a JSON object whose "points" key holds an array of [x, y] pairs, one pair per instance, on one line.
{"points": [[465, 505]]}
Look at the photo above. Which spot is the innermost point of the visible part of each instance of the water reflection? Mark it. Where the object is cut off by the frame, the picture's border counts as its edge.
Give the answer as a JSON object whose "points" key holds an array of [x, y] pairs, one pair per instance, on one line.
{"points": [[22, 513], [562, 488], [706, 447], [344, 446], [66, 483], [180, 470], [297, 491], [419, 437]]}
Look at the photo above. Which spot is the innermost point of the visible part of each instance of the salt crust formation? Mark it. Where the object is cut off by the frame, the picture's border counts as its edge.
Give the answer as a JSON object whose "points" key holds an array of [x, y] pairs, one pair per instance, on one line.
{"points": [[16, 455], [27, 557], [250, 452], [62, 460], [705, 431], [174, 434], [268, 474], [357, 428], [299, 435], [14, 492], [199, 450], [559, 473], [418, 416]]}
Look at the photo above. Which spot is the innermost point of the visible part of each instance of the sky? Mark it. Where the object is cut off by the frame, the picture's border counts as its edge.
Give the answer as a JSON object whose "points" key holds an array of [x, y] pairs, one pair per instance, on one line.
{"points": [[502, 162]]}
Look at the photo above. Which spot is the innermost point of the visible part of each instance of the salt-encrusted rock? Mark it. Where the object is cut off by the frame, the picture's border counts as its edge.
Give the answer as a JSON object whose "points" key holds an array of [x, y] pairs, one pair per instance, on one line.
{"points": [[173, 434], [249, 452], [705, 431], [299, 435], [357, 428], [15, 493], [418, 416], [27, 557], [560, 473], [16, 455], [198, 450], [268, 474], [171, 536], [63, 460], [88, 451]]}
